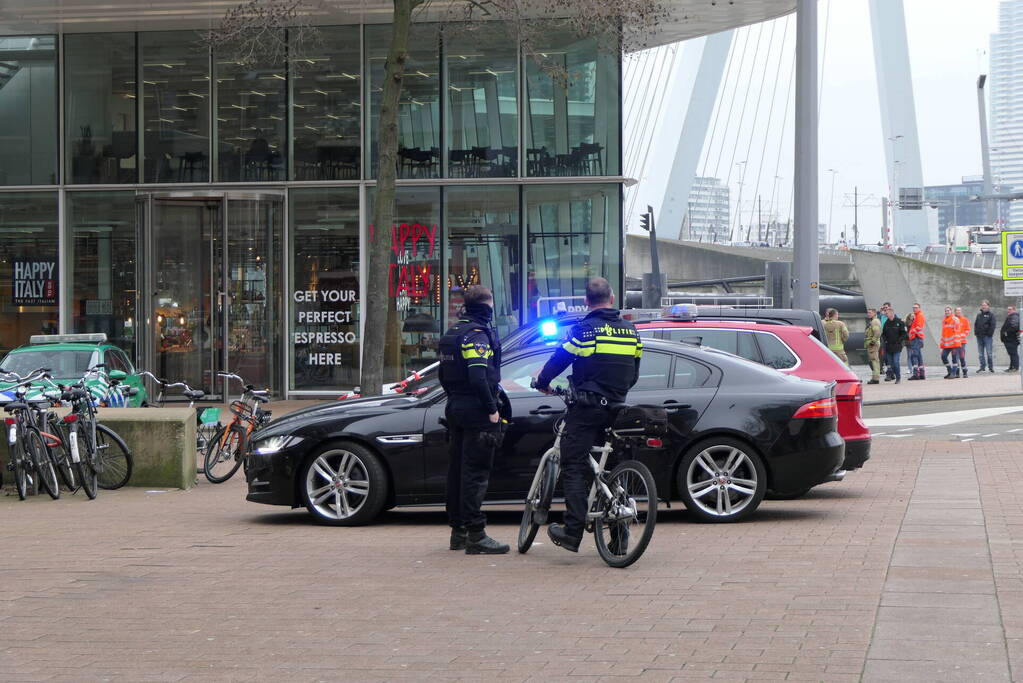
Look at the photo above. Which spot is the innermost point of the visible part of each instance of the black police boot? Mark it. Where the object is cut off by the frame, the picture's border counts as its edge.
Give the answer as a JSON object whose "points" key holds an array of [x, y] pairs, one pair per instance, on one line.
{"points": [[964, 373], [458, 535], [478, 543], [560, 538]]}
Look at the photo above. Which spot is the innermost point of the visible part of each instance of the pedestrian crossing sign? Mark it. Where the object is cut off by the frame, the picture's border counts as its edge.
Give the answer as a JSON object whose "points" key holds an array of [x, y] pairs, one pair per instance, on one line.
{"points": [[1012, 255]]}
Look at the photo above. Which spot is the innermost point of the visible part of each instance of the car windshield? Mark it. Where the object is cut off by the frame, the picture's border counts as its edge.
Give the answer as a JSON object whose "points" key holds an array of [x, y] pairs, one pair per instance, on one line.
{"points": [[63, 363]]}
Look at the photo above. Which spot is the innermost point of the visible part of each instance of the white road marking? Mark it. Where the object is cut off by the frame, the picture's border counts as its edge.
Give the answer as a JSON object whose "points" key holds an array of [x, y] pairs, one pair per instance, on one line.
{"points": [[896, 436], [968, 434], [939, 419], [907, 429], [1013, 431], [965, 440], [985, 436]]}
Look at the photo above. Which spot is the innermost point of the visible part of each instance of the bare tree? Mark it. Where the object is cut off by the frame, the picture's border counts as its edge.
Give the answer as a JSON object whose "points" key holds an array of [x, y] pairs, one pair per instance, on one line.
{"points": [[619, 26]]}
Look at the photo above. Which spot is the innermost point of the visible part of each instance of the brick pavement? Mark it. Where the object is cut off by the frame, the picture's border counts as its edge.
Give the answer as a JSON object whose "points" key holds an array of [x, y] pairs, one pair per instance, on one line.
{"points": [[201, 586]]}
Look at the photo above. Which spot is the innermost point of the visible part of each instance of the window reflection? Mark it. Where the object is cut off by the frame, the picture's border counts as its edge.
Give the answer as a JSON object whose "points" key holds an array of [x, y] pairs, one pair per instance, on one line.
{"points": [[251, 126], [175, 109], [326, 108], [483, 248], [482, 107], [102, 230], [414, 317], [573, 100], [99, 109], [573, 235], [325, 282], [419, 108], [28, 266], [28, 102]]}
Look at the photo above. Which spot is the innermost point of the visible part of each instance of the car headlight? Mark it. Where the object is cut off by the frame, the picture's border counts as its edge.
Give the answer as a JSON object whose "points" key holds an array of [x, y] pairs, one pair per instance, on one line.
{"points": [[276, 444]]}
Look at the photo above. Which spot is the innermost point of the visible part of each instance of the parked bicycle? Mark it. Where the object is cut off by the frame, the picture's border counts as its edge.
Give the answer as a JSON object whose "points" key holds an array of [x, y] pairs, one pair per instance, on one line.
{"points": [[207, 420], [622, 503], [29, 460], [227, 448]]}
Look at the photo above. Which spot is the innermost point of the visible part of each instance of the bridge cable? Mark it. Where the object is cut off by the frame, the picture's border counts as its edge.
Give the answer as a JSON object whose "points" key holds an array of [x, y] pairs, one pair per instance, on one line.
{"points": [[731, 104], [742, 118]]}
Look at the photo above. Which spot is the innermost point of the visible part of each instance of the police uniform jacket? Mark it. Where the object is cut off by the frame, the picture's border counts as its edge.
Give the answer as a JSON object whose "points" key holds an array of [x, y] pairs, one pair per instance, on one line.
{"points": [[470, 359], [604, 352]]}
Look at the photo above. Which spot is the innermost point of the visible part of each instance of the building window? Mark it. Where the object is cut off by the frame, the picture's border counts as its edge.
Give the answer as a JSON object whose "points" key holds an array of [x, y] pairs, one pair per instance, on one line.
{"points": [[251, 121], [483, 248], [324, 288], [573, 234], [482, 106], [419, 107], [175, 107], [28, 108], [101, 226], [28, 266], [414, 316], [99, 108], [327, 108], [573, 98]]}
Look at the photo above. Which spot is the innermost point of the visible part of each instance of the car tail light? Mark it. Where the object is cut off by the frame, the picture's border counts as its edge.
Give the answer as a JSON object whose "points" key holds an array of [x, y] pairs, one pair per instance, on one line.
{"points": [[849, 391], [825, 407], [71, 417], [654, 443], [10, 421]]}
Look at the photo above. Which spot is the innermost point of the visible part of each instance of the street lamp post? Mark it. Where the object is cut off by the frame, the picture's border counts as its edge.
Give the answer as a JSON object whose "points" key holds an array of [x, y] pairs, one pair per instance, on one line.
{"points": [[805, 247]]}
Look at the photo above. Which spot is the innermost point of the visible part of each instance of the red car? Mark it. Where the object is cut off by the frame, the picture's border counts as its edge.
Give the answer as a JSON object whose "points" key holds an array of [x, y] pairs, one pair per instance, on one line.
{"points": [[788, 348]]}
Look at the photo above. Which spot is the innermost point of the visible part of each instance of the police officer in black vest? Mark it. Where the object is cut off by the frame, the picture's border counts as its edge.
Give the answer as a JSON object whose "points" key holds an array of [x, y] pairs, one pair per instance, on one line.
{"points": [[604, 352], [470, 372]]}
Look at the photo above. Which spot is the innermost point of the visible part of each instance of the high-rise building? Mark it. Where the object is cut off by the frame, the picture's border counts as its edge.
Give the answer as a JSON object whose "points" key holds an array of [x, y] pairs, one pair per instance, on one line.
{"points": [[955, 206], [1007, 104], [708, 217]]}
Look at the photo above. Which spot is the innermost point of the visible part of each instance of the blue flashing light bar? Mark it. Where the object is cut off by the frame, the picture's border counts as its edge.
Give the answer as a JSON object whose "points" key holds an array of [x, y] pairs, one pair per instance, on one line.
{"points": [[549, 328]]}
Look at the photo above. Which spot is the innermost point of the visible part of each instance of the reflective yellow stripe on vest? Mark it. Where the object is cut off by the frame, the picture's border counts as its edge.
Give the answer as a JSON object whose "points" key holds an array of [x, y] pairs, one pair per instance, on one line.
{"points": [[617, 346], [579, 348]]}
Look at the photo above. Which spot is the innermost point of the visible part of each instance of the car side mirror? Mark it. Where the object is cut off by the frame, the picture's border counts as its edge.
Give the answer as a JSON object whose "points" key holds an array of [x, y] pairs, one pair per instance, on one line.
{"points": [[119, 375]]}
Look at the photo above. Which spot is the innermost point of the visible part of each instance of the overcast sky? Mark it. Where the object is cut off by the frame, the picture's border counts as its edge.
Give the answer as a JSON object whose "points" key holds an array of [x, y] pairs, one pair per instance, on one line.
{"points": [[948, 46]]}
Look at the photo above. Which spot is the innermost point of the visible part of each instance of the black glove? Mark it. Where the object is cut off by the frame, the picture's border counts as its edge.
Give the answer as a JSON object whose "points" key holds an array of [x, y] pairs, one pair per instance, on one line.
{"points": [[493, 435]]}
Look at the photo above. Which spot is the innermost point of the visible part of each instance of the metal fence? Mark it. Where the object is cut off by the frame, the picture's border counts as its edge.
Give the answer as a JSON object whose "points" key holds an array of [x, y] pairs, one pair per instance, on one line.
{"points": [[961, 259]]}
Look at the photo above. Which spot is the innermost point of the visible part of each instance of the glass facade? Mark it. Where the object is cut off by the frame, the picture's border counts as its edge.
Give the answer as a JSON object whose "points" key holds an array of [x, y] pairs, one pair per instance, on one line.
{"points": [[175, 108], [28, 109], [29, 266], [101, 229], [227, 233], [325, 257], [99, 108]]}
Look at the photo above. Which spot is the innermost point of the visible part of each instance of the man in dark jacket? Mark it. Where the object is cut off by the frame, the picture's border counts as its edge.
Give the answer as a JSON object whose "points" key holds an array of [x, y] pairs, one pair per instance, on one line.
{"points": [[1010, 337], [894, 336], [984, 329], [470, 372], [604, 352]]}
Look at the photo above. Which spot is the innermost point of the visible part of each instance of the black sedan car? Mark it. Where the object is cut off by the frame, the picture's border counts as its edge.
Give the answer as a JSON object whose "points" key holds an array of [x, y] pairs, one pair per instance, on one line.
{"points": [[736, 429]]}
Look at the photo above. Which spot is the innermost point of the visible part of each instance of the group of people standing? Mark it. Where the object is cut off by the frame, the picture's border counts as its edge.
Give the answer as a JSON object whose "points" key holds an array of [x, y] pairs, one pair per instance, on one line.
{"points": [[887, 335]]}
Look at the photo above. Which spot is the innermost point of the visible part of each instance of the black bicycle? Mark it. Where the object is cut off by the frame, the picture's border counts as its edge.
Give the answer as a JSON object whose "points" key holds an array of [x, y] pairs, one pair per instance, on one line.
{"points": [[622, 503], [29, 459]]}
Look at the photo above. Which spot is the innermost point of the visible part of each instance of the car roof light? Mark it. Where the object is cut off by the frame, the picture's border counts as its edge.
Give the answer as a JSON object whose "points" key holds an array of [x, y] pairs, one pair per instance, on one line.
{"points": [[681, 312], [93, 338], [549, 328]]}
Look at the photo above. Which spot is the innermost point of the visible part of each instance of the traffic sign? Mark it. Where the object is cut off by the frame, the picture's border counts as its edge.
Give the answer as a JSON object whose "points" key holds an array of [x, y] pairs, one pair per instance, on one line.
{"points": [[1013, 287], [1012, 255]]}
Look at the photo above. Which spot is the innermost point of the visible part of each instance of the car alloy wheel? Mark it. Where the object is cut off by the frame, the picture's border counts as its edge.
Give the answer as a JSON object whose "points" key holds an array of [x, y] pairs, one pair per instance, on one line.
{"points": [[722, 480], [344, 485]]}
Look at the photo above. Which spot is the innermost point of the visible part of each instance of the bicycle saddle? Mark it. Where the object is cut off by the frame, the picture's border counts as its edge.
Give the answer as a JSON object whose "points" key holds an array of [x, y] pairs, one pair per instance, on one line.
{"points": [[261, 396], [15, 405], [74, 394], [195, 394]]}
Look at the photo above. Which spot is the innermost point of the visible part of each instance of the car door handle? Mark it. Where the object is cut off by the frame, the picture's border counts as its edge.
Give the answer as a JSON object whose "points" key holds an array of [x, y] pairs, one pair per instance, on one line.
{"points": [[546, 410], [674, 406]]}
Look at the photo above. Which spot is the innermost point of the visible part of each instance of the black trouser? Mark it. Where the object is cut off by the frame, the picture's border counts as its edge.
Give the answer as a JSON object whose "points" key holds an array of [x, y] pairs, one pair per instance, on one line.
{"points": [[1013, 351], [469, 463], [584, 427]]}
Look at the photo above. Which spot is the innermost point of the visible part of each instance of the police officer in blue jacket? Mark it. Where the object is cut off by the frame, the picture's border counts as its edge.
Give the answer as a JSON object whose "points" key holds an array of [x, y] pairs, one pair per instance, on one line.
{"points": [[604, 352], [470, 372]]}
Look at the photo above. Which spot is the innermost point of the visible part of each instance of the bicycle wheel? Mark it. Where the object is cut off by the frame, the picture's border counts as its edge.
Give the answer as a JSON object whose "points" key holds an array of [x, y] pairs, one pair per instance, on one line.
{"points": [[113, 453], [81, 443], [20, 472], [42, 462], [626, 524], [223, 455], [62, 459], [538, 503]]}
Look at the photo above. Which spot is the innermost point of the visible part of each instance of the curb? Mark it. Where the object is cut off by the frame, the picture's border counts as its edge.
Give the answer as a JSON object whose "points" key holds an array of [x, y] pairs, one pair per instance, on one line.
{"points": [[897, 401]]}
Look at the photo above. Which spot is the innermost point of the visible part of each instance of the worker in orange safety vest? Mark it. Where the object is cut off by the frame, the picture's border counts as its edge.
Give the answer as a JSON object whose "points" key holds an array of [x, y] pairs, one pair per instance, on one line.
{"points": [[951, 331]]}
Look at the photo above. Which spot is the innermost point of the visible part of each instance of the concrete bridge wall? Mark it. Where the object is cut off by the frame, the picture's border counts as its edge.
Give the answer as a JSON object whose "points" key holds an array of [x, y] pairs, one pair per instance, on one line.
{"points": [[700, 261], [903, 281]]}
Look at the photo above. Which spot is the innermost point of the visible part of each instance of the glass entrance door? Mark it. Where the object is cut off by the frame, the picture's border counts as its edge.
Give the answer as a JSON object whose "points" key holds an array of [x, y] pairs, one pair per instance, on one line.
{"points": [[210, 289]]}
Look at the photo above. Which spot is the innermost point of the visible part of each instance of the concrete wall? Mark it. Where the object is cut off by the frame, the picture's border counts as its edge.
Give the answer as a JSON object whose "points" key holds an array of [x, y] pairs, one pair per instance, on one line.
{"points": [[903, 281], [162, 443], [700, 261]]}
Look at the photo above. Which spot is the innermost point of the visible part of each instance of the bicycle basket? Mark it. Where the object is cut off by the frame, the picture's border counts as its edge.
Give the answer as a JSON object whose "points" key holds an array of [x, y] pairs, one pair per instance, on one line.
{"points": [[641, 421], [241, 409], [209, 416]]}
